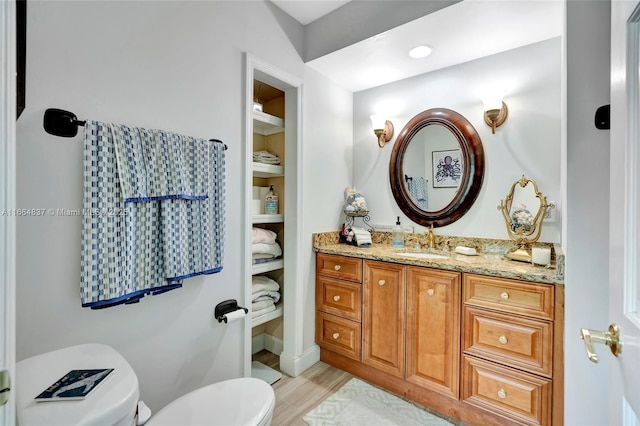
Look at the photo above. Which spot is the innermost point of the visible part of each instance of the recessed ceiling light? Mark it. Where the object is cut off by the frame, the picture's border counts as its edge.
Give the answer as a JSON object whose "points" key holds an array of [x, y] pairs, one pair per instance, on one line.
{"points": [[420, 52]]}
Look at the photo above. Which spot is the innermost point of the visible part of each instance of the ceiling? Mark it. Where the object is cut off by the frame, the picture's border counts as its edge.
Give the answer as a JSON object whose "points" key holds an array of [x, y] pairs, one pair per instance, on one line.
{"points": [[307, 11], [462, 32]]}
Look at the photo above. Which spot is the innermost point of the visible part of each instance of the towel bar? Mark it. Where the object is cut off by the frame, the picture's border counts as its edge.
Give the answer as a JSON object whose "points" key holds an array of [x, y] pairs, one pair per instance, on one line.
{"points": [[59, 122]]}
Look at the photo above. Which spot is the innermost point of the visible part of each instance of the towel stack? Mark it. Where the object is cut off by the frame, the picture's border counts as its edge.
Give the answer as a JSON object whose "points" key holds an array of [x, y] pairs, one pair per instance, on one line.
{"points": [[266, 157], [264, 247], [362, 236], [265, 295]]}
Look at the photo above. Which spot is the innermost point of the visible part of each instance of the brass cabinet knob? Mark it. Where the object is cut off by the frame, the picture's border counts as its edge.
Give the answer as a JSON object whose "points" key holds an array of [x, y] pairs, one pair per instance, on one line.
{"points": [[431, 292], [503, 340], [336, 297], [502, 394], [337, 267], [504, 295], [381, 282], [336, 335]]}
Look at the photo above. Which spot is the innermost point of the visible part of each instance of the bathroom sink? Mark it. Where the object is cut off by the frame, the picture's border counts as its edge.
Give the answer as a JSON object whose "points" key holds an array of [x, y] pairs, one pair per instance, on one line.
{"points": [[423, 255]]}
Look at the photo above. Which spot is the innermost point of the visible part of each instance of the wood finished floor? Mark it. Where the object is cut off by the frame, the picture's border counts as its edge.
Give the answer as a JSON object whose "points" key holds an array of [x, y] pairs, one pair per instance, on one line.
{"points": [[296, 396]]}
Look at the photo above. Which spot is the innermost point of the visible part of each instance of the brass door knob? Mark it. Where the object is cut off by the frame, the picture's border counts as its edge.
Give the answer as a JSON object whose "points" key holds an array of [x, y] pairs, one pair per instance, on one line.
{"points": [[503, 340], [337, 267], [610, 338], [504, 295], [502, 394], [336, 297], [381, 282], [431, 292], [336, 335]]}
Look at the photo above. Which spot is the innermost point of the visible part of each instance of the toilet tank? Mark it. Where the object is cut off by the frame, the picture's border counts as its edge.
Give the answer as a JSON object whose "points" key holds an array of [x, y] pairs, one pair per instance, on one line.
{"points": [[111, 402]]}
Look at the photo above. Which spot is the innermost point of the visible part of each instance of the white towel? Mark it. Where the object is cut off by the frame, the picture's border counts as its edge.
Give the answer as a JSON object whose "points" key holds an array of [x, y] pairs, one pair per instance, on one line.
{"points": [[260, 235], [264, 248], [257, 306], [260, 283], [263, 311], [264, 295]]}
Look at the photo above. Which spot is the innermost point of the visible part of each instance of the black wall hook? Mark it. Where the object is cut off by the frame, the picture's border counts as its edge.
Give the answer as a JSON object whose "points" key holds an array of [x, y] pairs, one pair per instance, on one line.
{"points": [[63, 123], [603, 117]]}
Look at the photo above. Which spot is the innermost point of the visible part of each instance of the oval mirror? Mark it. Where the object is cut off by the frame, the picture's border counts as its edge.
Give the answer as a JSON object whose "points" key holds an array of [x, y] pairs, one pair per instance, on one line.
{"points": [[436, 167]]}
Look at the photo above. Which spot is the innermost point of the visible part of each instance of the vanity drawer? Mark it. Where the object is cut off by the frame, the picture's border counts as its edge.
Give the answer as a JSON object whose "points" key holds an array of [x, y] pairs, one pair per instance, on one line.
{"points": [[519, 396], [508, 339], [338, 335], [340, 298], [511, 296], [344, 268]]}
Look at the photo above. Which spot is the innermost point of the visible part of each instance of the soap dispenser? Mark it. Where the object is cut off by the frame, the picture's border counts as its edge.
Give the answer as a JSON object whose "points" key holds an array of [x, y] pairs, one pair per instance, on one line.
{"points": [[397, 235]]}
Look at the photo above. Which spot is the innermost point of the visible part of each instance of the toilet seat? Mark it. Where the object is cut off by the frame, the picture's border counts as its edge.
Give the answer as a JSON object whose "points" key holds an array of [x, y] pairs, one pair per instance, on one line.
{"points": [[244, 401]]}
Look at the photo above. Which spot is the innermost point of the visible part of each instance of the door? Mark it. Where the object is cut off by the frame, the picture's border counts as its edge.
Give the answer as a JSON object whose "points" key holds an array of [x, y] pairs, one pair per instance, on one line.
{"points": [[7, 197], [383, 317], [624, 276]]}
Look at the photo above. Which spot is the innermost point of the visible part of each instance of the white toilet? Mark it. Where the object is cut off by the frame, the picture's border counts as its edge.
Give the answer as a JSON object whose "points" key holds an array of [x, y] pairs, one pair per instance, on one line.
{"points": [[243, 401]]}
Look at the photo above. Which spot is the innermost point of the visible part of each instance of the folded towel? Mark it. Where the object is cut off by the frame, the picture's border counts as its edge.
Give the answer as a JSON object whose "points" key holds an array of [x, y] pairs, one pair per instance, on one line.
{"points": [[260, 235], [263, 311], [264, 248], [264, 295], [256, 306], [266, 157], [260, 283]]}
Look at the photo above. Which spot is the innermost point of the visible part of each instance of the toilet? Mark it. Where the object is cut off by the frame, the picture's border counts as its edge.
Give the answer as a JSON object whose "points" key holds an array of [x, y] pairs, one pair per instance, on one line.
{"points": [[115, 401]]}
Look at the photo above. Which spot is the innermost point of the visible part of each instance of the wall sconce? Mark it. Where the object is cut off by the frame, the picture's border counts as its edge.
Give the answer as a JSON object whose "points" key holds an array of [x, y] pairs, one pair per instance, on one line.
{"points": [[382, 128], [495, 113]]}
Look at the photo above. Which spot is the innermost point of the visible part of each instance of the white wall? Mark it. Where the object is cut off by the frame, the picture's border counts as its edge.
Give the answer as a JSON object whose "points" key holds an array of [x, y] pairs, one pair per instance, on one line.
{"points": [[587, 244], [327, 171], [528, 143], [171, 65]]}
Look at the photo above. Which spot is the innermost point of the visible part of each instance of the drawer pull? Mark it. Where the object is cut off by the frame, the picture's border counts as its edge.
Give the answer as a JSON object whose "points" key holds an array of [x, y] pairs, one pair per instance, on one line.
{"points": [[336, 298], [336, 335], [504, 295], [502, 394], [381, 282], [431, 292], [337, 267], [503, 340]]}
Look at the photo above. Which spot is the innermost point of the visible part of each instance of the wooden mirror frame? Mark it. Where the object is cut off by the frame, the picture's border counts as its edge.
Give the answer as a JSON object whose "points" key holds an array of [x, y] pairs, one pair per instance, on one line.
{"points": [[472, 153]]}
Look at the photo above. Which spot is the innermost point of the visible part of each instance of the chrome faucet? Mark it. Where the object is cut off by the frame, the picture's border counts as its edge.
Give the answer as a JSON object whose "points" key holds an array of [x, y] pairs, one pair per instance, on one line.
{"points": [[431, 238]]}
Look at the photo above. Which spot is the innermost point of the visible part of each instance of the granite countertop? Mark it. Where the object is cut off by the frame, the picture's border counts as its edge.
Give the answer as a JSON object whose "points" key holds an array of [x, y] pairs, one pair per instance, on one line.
{"points": [[484, 263]]}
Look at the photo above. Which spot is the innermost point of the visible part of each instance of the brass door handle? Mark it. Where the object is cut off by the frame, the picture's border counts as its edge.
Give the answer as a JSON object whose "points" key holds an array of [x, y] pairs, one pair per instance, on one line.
{"points": [[610, 338], [336, 298], [337, 267], [336, 335]]}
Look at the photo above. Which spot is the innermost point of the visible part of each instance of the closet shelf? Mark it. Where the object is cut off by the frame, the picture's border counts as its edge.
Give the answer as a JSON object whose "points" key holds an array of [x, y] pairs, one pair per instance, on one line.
{"points": [[268, 316], [267, 124], [267, 218], [261, 268], [267, 170]]}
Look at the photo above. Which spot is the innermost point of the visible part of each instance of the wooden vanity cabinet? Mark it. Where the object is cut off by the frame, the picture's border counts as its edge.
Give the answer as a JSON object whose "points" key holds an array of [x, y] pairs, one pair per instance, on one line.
{"points": [[512, 348], [478, 349], [384, 311], [433, 330], [339, 304]]}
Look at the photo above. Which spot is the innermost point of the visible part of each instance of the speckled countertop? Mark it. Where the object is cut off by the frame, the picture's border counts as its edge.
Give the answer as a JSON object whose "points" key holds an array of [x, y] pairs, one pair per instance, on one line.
{"points": [[490, 262]]}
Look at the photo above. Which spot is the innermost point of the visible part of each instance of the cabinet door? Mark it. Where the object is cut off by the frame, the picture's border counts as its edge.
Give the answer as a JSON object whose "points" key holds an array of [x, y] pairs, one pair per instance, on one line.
{"points": [[433, 329], [384, 317]]}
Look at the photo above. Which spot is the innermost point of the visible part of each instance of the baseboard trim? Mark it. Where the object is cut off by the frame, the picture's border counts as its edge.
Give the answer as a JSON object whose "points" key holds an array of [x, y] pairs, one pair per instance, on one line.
{"points": [[266, 342], [294, 366]]}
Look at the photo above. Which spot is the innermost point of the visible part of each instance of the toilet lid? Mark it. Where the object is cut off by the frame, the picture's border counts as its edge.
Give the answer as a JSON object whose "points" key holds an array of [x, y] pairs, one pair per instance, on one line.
{"points": [[244, 401], [112, 400]]}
